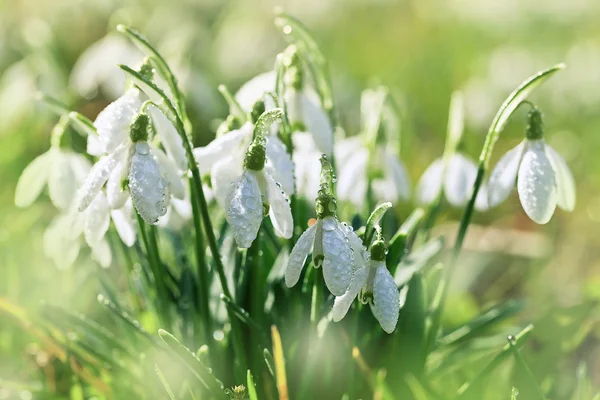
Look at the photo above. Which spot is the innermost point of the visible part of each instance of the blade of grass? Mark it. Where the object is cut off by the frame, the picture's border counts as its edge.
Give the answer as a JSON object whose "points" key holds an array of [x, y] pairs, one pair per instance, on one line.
{"points": [[279, 362], [512, 341]]}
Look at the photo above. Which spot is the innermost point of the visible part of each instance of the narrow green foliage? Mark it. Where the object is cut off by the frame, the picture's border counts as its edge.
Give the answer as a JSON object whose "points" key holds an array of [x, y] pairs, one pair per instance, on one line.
{"points": [[164, 382], [252, 395]]}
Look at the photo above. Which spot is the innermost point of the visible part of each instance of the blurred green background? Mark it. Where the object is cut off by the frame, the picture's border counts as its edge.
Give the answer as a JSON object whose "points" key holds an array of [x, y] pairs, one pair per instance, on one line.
{"points": [[422, 49]]}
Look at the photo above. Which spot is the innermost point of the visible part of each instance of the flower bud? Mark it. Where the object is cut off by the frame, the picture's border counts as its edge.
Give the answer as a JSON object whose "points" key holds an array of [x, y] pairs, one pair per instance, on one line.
{"points": [[140, 128], [535, 125]]}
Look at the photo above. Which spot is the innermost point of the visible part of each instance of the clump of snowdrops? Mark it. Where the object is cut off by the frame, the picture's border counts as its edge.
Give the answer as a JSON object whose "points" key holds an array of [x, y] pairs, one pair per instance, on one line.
{"points": [[273, 262]]}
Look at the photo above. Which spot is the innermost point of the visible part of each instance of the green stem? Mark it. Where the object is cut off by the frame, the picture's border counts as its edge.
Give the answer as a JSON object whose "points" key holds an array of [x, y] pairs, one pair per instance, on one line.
{"points": [[316, 299], [203, 287]]}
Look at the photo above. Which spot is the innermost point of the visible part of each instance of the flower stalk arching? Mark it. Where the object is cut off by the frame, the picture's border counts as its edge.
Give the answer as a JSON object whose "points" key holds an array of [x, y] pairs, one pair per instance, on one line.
{"points": [[508, 107], [172, 113]]}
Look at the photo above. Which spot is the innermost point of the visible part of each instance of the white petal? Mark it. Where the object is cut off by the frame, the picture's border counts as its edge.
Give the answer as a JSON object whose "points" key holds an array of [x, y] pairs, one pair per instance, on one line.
{"points": [[565, 184], [399, 177], [115, 194], [58, 244], [279, 210], [359, 252], [504, 176], [338, 264], [245, 208], [345, 149], [279, 164], [94, 146], [222, 176], [169, 170], [124, 225], [430, 184], [342, 303], [98, 176], [169, 138], [352, 179], [229, 144], [149, 190], [386, 298], [113, 122], [33, 179], [536, 183], [316, 121], [101, 253], [307, 167], [481, 202], [97, 220], [81, 166], [183, 207], [298, 256], [254, 89], [459, 179]]}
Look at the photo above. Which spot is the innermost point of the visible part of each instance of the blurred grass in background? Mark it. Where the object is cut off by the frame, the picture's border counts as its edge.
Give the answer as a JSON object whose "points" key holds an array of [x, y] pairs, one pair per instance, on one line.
{"points": [[423, 50]]}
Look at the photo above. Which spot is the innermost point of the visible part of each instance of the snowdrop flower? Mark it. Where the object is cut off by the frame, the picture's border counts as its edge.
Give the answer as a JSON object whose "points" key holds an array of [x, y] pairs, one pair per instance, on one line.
{"points": [[131, 161], [542, 176], [376, 286], [306, 165], [355, 161], [304, 108], [59, 169], [456, 181], [254, 193], [223, 158], [328, 239]]}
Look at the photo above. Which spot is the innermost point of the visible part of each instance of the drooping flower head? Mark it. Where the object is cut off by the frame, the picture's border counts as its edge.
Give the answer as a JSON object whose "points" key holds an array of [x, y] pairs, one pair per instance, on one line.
{"points": [[542, 176], [366, 163], [254, 193], [333, 244], [374, 285]]}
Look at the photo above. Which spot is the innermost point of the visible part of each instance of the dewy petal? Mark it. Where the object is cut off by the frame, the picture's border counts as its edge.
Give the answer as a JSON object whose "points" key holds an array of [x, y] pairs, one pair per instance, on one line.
{"points": [[386, 297], [430, 184], [316, 121], [459, 180], [98, 176], [124, 224], [115, 194], [101, 253], [338, 264], [33, 179], [279, 210], [169, 170], [254, 89], [536, 183], [352, 179], [279, 164], [359, 252], [231, 143], [342, 303], [149, 190], [97, 220], [113, 122], [565, 184], [222, 176], [503, 177], [169, 138], [245, 208], [298, 256]]}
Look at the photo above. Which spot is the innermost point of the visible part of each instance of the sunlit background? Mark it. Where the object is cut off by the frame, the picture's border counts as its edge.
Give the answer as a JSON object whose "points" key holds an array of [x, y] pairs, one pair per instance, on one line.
{"points": [[422, 50]]}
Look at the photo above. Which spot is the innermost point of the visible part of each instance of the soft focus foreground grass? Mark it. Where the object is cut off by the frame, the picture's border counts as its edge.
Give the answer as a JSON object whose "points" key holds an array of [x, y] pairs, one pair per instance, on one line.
{"points": [[423, 50]]}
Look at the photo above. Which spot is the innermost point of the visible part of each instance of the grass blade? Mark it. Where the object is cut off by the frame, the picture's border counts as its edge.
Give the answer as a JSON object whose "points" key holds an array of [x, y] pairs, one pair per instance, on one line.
{"points": [[279, 362]]}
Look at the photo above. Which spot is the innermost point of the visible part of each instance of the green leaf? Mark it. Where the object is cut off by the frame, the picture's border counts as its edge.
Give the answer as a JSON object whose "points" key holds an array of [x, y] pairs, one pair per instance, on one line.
{"points": [[164, 382], [398, 242], [193, 364], [132, 324], [417, 260], [269, 361], [251, 388], [482, 323]]}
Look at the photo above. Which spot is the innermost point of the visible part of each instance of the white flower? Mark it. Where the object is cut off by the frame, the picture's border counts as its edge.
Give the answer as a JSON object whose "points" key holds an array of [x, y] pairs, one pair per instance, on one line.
{"points": [[63, 238], [224, 158], [354, 159], [97, 68], [61, 170], [377, 287], [248, 197], [303, 107], [456, 181], [331, 245], [150, 174], [542, 176], [306, 165]]}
